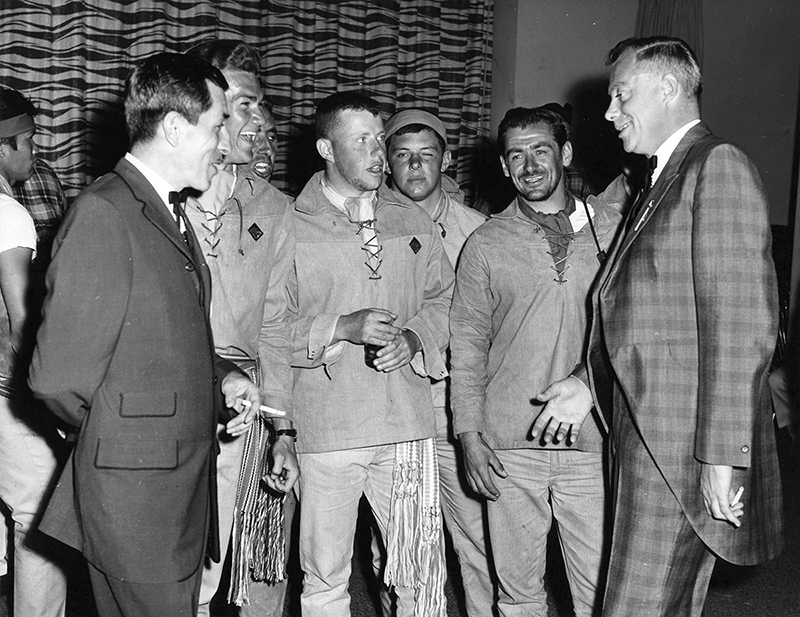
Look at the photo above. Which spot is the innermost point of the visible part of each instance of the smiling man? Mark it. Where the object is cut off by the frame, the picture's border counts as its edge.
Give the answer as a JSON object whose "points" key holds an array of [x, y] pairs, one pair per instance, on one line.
{"points": [[125, 354], [244, 227], [518, 321], [368, 271], [684, 327]]}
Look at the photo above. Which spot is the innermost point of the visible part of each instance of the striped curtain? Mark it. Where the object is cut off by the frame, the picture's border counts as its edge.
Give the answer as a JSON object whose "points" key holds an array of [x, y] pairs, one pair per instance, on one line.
{"points": [[71, 57], [679, 18]]}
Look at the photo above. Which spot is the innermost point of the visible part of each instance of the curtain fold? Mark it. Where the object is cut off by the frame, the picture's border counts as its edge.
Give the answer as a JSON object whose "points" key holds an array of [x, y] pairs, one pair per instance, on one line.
{"points": [[679, 18], [72, 57]]}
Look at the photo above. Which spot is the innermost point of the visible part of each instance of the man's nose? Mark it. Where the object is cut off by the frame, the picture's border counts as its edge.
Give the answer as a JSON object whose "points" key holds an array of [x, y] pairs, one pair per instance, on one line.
{"points": [[224, 144], [415, 162], [612, 111]]}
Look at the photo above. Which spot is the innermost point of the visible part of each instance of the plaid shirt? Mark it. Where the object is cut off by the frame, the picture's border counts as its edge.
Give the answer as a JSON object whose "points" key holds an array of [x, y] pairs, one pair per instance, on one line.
{"points": [[43, 197]]}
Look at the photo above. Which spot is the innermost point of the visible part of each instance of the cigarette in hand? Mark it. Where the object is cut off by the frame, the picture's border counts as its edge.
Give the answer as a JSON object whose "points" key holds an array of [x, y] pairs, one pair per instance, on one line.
{"points": [[737, 496], [268, 410]]}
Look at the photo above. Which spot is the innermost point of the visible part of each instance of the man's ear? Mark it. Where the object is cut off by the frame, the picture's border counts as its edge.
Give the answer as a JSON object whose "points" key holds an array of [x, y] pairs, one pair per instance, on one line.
{"points": [[670, 87], [566, 153], [447, 158], [504, 166], [171, 127], [325, 149]]}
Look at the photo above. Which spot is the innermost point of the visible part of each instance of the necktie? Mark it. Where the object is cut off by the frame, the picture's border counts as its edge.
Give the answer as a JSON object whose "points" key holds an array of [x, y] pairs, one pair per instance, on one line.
{"points": [[646, 186], [177, 199]]}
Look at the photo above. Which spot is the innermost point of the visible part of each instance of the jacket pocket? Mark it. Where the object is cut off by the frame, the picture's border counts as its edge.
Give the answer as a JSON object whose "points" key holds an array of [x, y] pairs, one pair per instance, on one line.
{"points": [[136, 453], [148, 404]]}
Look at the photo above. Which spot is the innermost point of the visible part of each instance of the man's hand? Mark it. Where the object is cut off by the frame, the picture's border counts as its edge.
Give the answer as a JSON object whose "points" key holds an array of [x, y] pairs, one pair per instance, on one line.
{"points": [[370, 326], [568, 402], [284, 471], [398, 353], [479, 460], [235, 386], [718, 494]]}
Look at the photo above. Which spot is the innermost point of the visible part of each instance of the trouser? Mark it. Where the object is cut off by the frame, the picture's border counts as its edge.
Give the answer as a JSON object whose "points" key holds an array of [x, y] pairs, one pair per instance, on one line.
{"points": [[28, 466], [569, 486], [118, 598], [331, 485], [659, 566]]}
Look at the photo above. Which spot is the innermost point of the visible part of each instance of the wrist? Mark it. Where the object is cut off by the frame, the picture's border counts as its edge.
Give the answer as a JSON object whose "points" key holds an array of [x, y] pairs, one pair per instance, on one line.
{"points": [[286, 434]]}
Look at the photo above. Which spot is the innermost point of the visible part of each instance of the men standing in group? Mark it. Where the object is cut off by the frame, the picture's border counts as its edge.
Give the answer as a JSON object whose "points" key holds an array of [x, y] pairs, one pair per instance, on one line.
{"points": [[416, 145], [684, 327], [29, 443], [518, 322], [368, 300], [125, 355], [243, 224]]}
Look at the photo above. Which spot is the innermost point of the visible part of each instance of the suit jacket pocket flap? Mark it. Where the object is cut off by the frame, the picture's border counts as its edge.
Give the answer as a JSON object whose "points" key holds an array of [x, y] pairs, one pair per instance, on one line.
{"points": [[147, 404], [137, 453]]}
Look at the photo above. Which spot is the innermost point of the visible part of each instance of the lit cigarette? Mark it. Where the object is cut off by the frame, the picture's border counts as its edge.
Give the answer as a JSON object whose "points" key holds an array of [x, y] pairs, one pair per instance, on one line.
{"points": [[268, 410], [737, 496]]}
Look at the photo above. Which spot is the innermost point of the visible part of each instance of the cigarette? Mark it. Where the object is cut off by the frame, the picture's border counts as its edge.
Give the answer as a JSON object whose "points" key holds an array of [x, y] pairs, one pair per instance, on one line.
{"points": [[270, 410], [737, 496]]}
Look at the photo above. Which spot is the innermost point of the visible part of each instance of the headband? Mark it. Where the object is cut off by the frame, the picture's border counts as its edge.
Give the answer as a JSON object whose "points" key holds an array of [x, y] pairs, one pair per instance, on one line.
{"points": [[16, 126]]}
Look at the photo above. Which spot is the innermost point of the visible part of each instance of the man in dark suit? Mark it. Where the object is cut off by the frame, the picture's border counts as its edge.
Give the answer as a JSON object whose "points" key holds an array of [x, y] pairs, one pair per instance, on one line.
{"points": [[125, 353], [684, 326]]}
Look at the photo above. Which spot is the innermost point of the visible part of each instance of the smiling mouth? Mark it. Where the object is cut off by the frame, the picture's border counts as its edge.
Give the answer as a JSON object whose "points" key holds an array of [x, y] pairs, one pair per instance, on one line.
{"points": [[248, 136], [623, 127], [377, 168], [534, 179]]}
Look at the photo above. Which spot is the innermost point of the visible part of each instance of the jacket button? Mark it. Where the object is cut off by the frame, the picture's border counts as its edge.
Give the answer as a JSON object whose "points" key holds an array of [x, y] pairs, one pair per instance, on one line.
{"points": [[745, 449], [189, 267]]}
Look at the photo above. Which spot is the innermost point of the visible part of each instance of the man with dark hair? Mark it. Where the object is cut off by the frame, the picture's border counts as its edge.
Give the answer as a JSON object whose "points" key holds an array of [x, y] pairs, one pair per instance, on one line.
{"points": [[125, 354], [29, 444], [684, 327], [518, 321], [266, 150], [368, 299], [416, 145], [244, 227]]}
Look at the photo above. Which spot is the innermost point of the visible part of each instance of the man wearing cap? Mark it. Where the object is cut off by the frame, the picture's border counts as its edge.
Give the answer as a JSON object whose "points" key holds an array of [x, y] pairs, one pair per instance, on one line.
{"points": [[368, 299], [416, 145], [28, 460], [518, 319]]}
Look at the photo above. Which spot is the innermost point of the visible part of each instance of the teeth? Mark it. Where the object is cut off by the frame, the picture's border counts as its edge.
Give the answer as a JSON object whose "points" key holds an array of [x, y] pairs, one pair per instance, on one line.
{"points": [[247, 135]]}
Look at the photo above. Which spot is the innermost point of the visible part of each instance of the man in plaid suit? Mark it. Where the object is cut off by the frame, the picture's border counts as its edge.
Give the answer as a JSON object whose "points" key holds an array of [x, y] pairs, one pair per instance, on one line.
{"points": [[684, 325]]}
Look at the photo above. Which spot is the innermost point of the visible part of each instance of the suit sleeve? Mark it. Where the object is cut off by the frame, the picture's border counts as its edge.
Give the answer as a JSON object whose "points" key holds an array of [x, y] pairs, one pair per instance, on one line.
{"points": [[88, 285], [736, 298]]}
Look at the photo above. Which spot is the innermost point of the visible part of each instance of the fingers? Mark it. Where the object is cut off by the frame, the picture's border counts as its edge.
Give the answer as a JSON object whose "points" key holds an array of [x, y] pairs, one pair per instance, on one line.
{"points": [[395, 355]]}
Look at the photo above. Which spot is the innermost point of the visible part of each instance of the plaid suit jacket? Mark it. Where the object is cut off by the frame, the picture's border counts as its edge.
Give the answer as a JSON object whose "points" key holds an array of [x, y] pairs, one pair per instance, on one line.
{"points": [[684, 327]]}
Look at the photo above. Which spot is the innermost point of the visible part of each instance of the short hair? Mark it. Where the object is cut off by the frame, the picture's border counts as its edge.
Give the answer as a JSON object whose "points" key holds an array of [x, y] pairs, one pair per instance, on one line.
{"points": [[167, 82], [12, 104], [330, 108], [417, 128], [228, 54], [671, 54], [523, 117]]}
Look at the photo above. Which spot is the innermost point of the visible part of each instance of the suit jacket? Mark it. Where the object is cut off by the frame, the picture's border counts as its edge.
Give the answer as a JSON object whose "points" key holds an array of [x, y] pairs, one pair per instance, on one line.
{"points": [[125, 355], [684, 327]]}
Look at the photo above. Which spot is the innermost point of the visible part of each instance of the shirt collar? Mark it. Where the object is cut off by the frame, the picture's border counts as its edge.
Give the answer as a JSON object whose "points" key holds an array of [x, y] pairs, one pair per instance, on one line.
{"points": [[161, 186], [666, 149], [5, 187]]}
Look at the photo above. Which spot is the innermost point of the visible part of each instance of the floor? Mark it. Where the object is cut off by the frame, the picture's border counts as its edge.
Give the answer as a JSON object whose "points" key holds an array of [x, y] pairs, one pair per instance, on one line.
{"points": [[771, 589]]}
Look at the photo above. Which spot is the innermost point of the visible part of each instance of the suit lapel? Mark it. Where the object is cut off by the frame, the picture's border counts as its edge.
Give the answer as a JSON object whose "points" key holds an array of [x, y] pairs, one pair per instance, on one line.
{"points": [[159, 216], [657, 196]]}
